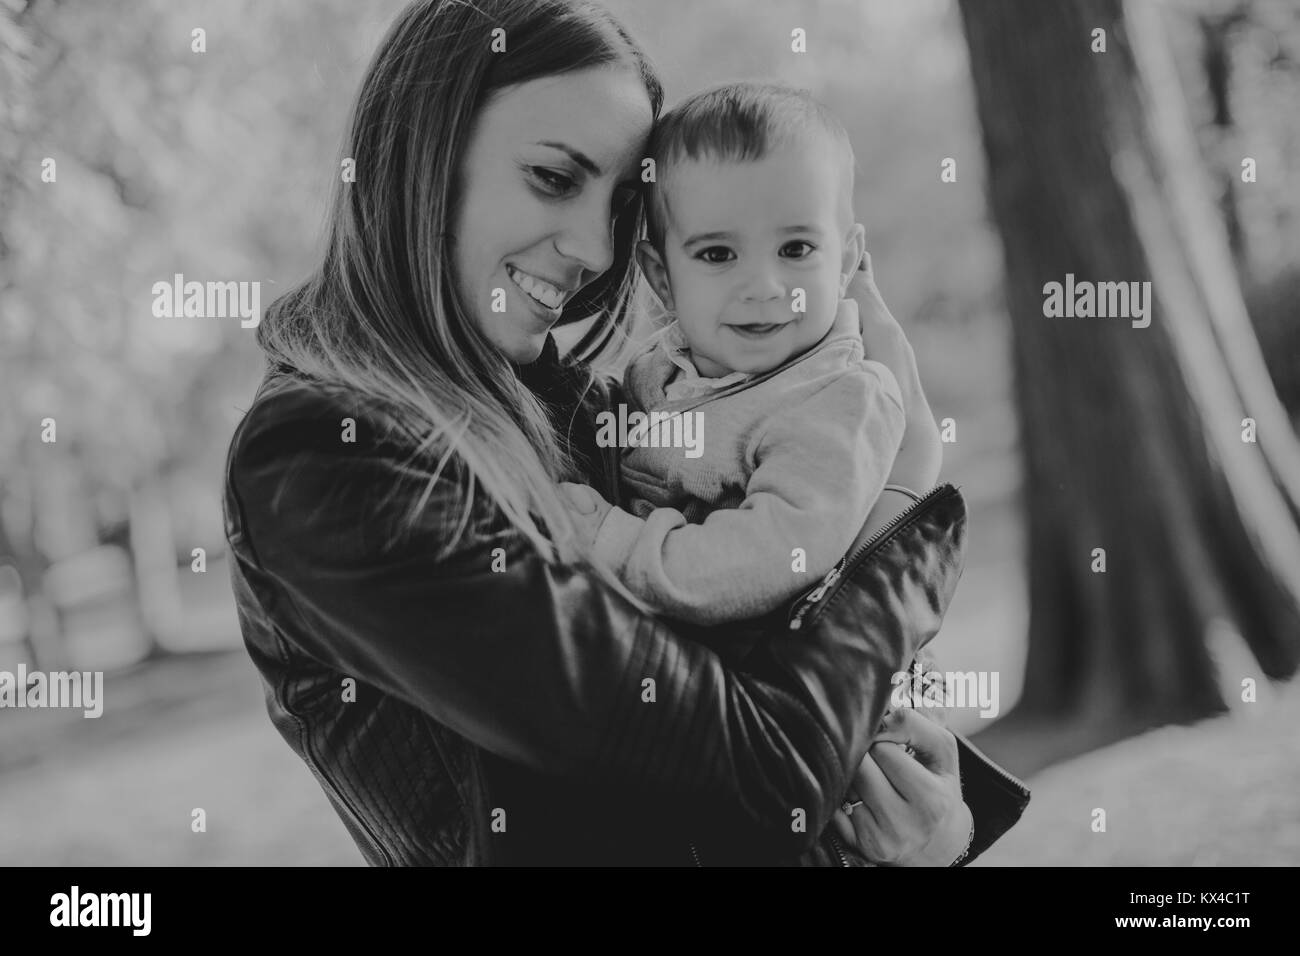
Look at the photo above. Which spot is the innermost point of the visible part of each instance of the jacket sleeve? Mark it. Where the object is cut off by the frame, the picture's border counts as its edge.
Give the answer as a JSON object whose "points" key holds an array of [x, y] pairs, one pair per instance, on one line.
{"points": [[543, 664], [817, 470]]}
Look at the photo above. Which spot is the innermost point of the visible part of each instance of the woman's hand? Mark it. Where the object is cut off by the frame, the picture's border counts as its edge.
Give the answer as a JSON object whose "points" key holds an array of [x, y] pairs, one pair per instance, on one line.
{"points": [[917, 463], [912, 813]]}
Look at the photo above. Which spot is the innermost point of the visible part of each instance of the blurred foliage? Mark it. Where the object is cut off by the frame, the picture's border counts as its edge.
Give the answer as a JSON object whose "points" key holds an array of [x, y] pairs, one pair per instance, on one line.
{"points": [[210, 164]]}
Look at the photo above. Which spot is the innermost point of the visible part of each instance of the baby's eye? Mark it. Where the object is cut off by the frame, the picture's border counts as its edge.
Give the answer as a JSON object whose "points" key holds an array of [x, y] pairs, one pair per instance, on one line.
{"points": [[551, 182], [715, 255], [798, 249]]}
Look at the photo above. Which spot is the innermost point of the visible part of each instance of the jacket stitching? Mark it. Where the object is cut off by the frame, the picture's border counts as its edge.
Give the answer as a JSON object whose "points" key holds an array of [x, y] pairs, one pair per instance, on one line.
{"points": [[313, 761], [465, 806]]}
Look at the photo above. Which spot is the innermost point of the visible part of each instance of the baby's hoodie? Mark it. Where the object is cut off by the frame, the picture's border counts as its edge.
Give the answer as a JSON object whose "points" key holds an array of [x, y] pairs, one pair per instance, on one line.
{"points": [[793, 458]]}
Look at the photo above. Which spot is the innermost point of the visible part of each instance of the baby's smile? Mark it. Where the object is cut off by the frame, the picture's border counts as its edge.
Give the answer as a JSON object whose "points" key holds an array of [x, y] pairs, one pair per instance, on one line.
{"points": [[756, 332]]}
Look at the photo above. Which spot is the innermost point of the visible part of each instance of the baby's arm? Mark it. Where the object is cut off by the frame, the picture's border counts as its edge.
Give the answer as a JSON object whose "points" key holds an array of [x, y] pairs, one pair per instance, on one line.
{"points": [[587, 507], [819, 467]]}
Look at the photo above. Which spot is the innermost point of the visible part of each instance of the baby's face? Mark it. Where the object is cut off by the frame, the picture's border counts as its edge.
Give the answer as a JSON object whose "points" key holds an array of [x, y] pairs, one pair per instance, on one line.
{"points": [[741, 240]]}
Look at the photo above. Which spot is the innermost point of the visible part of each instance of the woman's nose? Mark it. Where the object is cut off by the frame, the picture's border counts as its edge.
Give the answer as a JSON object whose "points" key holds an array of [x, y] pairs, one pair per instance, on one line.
{"points": [[588, 238]]}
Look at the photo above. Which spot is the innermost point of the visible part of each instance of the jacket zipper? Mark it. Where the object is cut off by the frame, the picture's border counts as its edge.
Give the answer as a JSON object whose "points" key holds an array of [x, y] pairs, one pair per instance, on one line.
{"points": [[817, 593], [1021, 789], [835, 842], [1006, 776], [695, 855]]}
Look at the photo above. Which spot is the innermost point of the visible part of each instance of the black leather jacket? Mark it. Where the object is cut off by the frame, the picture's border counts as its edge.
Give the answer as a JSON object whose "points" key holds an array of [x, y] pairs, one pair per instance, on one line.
{"points": [[500, 715]]}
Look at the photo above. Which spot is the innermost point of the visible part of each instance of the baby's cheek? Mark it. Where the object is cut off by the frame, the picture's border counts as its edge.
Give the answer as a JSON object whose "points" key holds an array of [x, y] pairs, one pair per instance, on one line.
{"points": [[818, 320]]}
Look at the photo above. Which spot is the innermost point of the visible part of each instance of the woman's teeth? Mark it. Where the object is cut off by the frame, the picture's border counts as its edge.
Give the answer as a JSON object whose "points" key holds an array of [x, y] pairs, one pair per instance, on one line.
{"points": [[540, 291]]}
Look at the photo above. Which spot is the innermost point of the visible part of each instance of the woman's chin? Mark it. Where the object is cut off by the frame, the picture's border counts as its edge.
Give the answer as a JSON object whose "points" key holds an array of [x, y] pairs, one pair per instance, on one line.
{"points": [[519, 337], [525, 348]]}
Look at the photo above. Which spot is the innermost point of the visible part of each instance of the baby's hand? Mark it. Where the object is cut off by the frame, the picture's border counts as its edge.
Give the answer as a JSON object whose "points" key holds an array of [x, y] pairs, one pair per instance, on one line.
{"points": [[921, 454], [919, 458], [588, 508], [848, 310], [584, 499]]}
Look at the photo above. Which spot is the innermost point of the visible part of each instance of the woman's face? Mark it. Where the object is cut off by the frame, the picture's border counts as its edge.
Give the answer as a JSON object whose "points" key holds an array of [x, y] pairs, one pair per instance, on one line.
{"points": [[549, 164]]}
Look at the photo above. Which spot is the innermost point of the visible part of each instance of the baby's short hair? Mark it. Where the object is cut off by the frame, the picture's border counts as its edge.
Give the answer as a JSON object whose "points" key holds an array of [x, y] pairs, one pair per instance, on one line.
{"points": [[740, 122]]}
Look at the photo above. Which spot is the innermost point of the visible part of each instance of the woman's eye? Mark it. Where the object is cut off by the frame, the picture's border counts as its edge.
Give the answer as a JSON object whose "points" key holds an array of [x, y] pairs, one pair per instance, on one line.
{"points": [[553, 183], [715, 255], [798, 249]]}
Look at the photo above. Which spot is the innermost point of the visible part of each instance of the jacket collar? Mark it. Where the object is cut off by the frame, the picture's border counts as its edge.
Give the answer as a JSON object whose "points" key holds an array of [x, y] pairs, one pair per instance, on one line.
{"points": [[688, 382]]}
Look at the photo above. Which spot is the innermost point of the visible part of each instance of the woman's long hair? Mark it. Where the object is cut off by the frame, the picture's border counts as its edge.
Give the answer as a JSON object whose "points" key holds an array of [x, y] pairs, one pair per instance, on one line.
{"points": [[381, 317]]}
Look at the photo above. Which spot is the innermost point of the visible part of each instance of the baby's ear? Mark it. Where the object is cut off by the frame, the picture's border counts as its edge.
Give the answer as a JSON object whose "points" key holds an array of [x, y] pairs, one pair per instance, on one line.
{"points": [[656, 273], [855, 244]]}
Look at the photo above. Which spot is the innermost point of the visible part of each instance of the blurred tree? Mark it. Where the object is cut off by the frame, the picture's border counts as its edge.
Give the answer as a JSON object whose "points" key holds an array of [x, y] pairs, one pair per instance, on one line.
{"points": [[1240, 63], [17, 545], [1216, 28], [1133, 437]]}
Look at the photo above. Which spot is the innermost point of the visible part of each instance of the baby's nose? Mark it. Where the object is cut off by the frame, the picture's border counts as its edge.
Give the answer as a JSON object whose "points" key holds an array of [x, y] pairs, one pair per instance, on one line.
{"points": [[764, 286]]}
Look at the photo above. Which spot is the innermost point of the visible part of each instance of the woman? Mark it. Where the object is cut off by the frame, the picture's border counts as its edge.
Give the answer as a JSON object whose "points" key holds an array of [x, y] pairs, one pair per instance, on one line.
{"points": [[466, 688]]}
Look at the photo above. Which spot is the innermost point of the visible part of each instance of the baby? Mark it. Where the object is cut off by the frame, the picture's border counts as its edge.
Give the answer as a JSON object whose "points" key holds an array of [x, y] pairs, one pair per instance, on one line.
{"points": [[752, 246], [752, 242]]}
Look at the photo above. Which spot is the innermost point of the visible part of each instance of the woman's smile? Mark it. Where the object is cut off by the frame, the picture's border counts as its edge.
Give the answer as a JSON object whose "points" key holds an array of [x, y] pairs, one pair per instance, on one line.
{"points": [[547, 294]]}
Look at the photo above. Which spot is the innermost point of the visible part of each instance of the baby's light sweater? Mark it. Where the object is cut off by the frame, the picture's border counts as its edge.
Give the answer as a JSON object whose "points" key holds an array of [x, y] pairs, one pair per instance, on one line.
{"points": [[793, 458]]}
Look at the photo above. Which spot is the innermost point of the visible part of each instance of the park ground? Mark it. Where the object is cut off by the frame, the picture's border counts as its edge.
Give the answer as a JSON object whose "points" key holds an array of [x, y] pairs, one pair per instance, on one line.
{"points": [[122, 789]]}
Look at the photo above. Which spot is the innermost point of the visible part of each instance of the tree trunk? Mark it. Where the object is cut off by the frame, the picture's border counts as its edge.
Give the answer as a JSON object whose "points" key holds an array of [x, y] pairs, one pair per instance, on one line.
{"points": [[1132, 437]]}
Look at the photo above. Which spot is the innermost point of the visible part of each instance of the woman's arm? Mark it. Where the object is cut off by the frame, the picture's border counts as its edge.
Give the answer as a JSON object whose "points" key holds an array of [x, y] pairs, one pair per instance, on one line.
{"points": [[544, 665]]}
